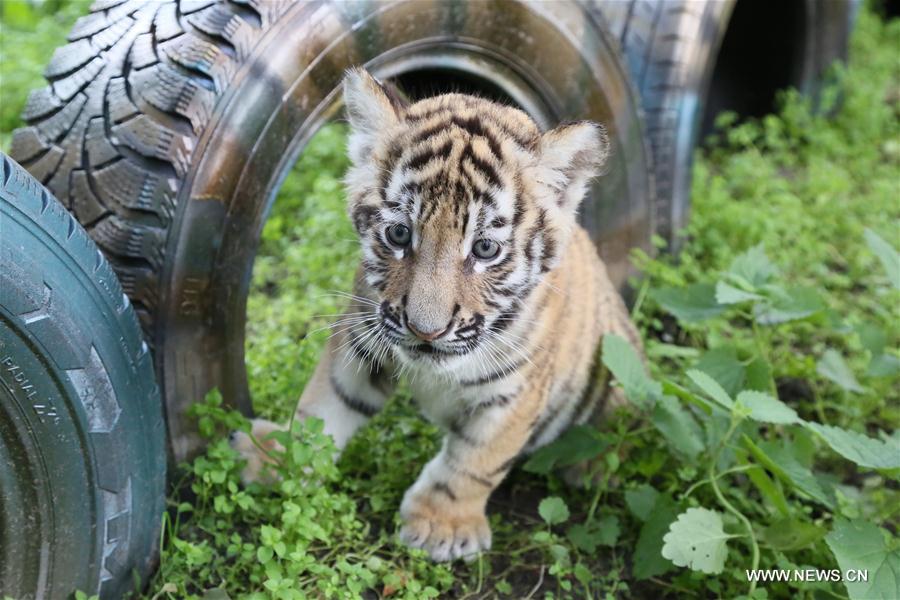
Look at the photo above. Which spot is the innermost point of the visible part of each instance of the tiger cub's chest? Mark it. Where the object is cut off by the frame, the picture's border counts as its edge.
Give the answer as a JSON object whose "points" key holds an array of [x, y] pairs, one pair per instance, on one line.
{"points": [[443, 402]]}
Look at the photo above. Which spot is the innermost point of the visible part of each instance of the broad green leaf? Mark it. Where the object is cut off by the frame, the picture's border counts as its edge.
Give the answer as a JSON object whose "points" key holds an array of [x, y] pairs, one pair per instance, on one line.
{"points": [[623, 362], [782, 463], [640, 500], [588, 536], [729, 294], [758, 375], [697, 540], [691, 304], [584, 576], [577, 444], [752, 267], [648, 559], [861, 546], [883, 365], [872, 337], [553, 510], [832, 367], [859, 448], [889, 257], [790, 534], [804, 446], [722, 364], [782, 306], [766, 409], [711, 387], [678, 426]]}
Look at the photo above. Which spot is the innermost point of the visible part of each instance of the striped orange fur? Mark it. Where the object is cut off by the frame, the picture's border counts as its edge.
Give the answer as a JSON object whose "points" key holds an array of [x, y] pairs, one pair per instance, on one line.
{"points": [[477, 283]]}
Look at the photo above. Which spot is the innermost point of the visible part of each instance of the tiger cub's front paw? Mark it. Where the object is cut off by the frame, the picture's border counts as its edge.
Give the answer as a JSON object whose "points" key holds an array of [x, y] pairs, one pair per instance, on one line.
{"points": [[256, 453], [445, 529]]}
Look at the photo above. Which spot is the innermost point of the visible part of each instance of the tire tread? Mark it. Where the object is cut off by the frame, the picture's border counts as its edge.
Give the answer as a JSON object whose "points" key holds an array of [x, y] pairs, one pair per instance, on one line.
{"points": [[112, 134]]}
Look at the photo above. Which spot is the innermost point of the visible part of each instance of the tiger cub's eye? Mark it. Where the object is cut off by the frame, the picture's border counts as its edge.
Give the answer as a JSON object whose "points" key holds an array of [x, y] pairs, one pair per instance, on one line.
{"points": [[399, 235], [485, 249]]}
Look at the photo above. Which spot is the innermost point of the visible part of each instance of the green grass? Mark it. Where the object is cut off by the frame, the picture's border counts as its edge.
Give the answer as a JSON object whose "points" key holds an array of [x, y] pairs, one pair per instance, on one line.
{"points": [[790, 196]]}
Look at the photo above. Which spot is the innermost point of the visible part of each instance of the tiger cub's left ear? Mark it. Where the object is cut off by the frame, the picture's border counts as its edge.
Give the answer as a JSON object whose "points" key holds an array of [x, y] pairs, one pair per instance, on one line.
{"points": [[567, 158], [371, 109]]}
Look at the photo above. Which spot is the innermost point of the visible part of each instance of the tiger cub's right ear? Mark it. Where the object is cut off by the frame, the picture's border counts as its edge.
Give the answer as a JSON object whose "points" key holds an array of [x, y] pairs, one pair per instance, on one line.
{"points": [[371, 110]]}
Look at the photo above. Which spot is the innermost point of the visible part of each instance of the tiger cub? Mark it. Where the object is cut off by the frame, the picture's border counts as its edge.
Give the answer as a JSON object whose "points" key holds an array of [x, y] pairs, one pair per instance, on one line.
{"points": [[477, 283]]}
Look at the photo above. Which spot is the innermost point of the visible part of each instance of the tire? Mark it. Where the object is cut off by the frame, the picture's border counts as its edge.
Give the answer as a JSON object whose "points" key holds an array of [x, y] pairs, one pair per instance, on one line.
{"points": [[690, 61], [167, 128], [82, 438]]}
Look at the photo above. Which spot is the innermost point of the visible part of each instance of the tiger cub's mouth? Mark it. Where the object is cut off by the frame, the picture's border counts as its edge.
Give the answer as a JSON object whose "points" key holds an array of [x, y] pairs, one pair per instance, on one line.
{"points": [[459, 342]]}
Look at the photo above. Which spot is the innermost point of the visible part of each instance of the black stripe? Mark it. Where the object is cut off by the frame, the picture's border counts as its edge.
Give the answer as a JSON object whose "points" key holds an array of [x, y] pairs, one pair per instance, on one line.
{"points": [[427, 133], [417, 161], [362, 216], [528, 142], [500, 400], [505, 466], [476, 129], [486, 169], [453, 465], [542, 425], [444, 488], [478, 479], [548, 254], [510, 256], [424, 116], [455, 429], [467, 329], [496, 376], [353, 404], [519, 210], [589, 396], [506, 318]]}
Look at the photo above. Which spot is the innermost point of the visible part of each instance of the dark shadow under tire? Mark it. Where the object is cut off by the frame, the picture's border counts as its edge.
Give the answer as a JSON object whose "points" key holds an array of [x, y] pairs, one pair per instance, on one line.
{"points": [[167, 128], [82, 438]]}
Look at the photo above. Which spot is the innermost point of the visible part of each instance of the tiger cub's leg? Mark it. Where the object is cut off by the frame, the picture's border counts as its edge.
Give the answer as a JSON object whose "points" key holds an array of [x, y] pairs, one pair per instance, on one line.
{"points": [[444, 510], [345, 391]]}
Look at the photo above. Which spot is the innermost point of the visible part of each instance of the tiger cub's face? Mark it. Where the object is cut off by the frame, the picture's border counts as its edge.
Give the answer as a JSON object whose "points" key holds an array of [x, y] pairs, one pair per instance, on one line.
{"points": [[462, 207]]}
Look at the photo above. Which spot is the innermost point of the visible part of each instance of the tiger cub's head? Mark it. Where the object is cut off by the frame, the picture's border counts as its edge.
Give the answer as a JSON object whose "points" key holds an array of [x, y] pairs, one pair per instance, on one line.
{"points": [[462, 206]]}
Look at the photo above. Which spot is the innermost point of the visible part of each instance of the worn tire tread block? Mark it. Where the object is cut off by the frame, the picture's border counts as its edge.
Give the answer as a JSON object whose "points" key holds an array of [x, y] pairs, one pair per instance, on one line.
{"points": [[129, 150]]}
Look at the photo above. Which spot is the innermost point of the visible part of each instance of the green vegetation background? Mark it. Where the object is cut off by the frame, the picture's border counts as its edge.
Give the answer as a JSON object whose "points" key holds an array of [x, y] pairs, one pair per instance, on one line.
{"points": [[790, 196]]}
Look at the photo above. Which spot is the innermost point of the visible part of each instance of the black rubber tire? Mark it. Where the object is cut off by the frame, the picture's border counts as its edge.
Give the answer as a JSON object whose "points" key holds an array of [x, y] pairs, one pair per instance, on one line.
{"points": [[168, 126], [82, 438], [672, 48]]}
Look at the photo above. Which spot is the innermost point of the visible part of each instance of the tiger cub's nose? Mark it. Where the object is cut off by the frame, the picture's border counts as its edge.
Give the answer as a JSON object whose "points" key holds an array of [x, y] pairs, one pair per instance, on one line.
{"points": [[428, 336]]}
